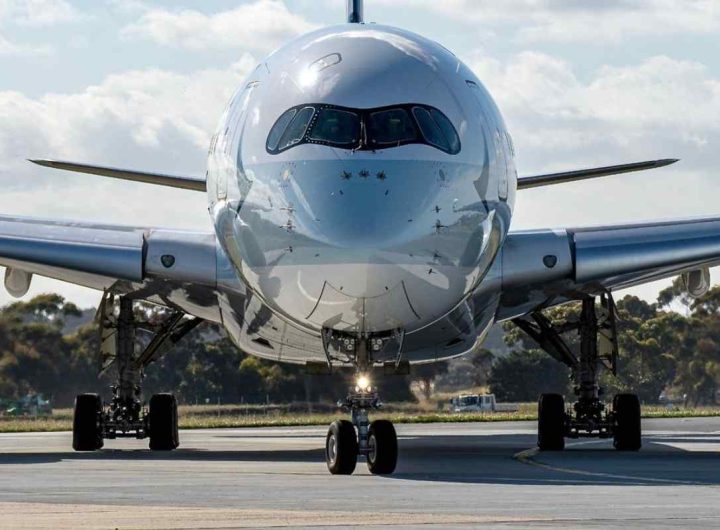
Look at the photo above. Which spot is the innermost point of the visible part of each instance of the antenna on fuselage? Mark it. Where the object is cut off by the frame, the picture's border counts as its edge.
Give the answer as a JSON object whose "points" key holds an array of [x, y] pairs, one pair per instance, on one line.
{"points": [[355, 11]]}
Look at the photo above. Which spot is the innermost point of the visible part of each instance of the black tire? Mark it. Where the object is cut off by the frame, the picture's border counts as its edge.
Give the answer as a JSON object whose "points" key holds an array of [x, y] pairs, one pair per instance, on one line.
{"points": [[627, 435], [551, 422], [163, 423], [341, 448], [87, 423], [383, 454]]}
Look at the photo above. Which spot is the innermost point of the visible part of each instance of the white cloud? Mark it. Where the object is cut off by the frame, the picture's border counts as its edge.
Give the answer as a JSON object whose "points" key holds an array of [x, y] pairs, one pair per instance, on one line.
{"points": [[33, 14], [128, 110], [261, 25], [38, 13], [129, 6], [660, 107], [8, 48], [570, 20]]}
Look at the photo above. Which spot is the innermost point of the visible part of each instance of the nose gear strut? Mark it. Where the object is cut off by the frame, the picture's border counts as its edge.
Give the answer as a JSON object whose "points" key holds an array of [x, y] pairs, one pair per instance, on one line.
{"points": [[589, 416]]}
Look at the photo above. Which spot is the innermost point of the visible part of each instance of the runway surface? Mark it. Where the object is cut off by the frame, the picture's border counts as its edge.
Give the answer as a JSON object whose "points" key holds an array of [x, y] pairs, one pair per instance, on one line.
{"points": [[449, 476]]}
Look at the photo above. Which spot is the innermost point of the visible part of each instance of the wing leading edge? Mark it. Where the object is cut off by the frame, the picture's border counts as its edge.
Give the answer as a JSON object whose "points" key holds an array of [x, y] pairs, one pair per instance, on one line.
{"points": [[547, 267]]}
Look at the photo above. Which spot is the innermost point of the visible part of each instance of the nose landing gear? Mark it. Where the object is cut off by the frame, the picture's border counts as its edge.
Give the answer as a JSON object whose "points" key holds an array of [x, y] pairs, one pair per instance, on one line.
{"points": [[377, 440], [346, 440]]}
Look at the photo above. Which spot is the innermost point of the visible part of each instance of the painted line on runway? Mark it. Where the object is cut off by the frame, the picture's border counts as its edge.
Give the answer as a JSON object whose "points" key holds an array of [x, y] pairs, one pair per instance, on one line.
{"points": [[528, 457]]}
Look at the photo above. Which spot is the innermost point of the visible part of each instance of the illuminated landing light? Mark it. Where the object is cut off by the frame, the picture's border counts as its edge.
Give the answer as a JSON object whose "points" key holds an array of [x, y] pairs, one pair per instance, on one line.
{"points": [[362, 384]]}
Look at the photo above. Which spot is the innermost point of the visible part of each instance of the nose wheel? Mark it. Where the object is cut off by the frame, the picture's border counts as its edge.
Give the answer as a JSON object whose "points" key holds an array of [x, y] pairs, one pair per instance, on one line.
{"points": [[346, 440], [341, 448], [382, 447]]}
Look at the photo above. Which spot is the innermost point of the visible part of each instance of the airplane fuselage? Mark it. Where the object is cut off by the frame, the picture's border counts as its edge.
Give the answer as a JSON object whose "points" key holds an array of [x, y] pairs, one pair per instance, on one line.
{"points": [[362, 181]]}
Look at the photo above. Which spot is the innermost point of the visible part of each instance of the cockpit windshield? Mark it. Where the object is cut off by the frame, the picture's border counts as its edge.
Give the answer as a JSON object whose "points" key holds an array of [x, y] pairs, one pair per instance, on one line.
{"points": [[389, 127], [363, 129], [336, 127]]}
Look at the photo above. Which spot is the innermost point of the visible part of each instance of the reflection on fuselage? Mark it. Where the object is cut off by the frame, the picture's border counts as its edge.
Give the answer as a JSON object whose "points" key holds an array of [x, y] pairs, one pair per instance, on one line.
{"points": [[328, 228]]}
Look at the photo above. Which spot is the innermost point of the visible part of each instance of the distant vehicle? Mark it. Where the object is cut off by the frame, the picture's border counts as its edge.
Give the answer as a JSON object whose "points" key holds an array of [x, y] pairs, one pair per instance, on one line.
{"points": [[478, 403], [30, 405]]}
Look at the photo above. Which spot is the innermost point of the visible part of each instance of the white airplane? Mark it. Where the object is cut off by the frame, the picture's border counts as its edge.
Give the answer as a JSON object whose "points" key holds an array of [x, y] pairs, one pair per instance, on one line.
{"points": [[361, 184]]}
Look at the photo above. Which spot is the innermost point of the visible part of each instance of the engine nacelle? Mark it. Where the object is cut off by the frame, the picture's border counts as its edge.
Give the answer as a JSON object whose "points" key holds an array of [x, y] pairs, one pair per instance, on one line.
{"points": [[697, 282], [17, 281]]}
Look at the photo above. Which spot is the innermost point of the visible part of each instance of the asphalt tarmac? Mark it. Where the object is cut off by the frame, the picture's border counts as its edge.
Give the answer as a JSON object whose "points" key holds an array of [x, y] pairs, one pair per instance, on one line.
{"points": [[448, 476]]}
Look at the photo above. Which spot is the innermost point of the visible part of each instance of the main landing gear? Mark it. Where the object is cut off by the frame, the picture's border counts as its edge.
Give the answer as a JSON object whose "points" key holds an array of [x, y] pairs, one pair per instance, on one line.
{"points": [[126, 416], [347, 440], [588, 416]]}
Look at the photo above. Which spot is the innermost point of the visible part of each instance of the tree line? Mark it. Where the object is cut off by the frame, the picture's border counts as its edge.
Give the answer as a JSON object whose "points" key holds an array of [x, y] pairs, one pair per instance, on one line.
{"points": [[49, 346], [40, 352]]}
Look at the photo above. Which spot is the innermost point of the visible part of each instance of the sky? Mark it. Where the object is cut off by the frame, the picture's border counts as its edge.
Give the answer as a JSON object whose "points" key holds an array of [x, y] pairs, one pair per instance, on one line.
{"points": [[141, 84]]}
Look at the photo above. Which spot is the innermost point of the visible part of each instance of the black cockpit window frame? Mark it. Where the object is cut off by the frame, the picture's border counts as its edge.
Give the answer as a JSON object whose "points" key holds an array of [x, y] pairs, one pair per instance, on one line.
{"points": [[413, 133]]}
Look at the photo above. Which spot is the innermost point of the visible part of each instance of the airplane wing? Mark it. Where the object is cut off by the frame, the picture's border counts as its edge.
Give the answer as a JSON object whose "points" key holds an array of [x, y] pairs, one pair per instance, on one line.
{"points": [[153, 263], [536, 181], [542, 268], [173, 181]]}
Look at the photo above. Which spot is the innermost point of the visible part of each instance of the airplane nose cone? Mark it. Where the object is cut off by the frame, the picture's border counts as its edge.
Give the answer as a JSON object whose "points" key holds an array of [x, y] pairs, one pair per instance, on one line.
{"points": [[368, 246]]}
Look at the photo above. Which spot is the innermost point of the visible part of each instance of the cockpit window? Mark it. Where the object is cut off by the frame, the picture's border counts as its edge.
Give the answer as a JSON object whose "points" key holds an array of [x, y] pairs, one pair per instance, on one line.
{"points": [[447, 129], [297, 128], [336, 127], [430, 129], [437, 129], [393, 126], [363, 129], [279, 128]]}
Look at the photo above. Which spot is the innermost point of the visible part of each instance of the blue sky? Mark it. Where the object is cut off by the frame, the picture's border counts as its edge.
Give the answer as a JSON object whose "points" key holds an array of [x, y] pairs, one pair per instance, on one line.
{"points": [[140, 83]]}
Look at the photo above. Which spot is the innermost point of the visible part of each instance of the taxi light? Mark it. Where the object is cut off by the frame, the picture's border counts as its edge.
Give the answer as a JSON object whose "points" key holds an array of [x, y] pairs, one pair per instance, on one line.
{"points": [[363, 383]]}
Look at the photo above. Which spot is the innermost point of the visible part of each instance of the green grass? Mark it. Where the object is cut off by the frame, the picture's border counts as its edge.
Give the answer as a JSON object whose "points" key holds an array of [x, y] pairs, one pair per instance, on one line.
{"points": [[214, 416]]}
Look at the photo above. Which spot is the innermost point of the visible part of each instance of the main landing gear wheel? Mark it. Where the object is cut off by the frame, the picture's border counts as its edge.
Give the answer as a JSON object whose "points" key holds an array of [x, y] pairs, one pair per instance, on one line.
{"points": [[341, 448], [163, 423], [551, 422], [87, 423], [383, 447], [626, 415]]}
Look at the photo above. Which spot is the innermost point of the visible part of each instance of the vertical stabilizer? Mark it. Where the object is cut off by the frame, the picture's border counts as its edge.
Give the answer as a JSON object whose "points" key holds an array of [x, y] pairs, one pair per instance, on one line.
{"points": [[355, 11]]}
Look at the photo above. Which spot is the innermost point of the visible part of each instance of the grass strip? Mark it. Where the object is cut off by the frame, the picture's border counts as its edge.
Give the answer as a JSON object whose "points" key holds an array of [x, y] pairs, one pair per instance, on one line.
{"points": [[207, 418]]}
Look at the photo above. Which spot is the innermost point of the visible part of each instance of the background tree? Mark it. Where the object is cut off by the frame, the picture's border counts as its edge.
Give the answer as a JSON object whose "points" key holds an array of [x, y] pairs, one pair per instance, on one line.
{"points": [[424, 376], [525, 374]]}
